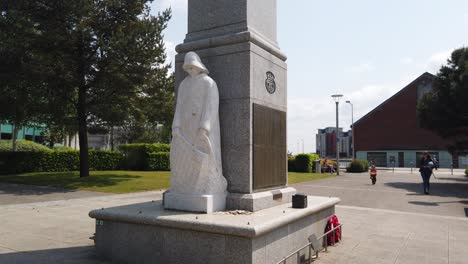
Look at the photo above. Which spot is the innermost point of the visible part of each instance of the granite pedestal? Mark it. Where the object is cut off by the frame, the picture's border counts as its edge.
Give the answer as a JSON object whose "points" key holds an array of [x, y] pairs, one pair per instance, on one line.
{"points": [[237, 42], [195, 203], [147, 233]]}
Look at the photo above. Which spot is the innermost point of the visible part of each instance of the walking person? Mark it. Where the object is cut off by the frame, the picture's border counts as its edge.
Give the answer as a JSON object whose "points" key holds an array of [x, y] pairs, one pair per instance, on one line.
{"points": [[373, 174], [426, 166]]}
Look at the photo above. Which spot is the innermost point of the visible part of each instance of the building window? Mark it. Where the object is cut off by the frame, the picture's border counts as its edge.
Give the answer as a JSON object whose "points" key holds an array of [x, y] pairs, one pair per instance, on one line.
{"points": [[6, 136], [379, 159]]}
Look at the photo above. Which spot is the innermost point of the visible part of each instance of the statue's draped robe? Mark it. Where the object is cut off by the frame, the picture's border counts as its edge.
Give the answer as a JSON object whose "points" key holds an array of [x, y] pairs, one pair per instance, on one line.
{"points": [[194, 171]]}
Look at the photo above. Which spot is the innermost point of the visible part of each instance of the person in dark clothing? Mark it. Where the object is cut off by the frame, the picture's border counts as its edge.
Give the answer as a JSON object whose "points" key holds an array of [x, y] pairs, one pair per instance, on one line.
{"points": [[426, 166]]}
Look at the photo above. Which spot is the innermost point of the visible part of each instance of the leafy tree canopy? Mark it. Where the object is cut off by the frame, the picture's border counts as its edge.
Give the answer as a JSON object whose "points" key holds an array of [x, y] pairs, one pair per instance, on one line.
{"points": [[444, 109], [94, 59]]}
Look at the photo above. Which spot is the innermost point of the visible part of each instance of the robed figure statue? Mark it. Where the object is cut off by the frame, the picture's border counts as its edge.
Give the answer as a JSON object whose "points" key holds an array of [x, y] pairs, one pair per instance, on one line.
{"points": [[196, 167]]}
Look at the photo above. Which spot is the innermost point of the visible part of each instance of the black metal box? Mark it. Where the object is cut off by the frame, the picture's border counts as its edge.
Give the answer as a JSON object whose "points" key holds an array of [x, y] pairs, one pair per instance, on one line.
{"points": [[299, 200]]}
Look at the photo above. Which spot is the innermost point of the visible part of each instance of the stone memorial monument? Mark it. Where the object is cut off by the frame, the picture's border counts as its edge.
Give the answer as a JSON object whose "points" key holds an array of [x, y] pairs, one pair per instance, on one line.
{"points": [[197, 181], [237, 41], [244, 146]]}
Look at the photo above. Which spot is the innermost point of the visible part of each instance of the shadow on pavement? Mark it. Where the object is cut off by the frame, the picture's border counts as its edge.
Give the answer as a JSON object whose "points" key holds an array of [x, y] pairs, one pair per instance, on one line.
{"points": [[82, 255], [442, 189], [424, 203], [453, 179], [436, 203]]}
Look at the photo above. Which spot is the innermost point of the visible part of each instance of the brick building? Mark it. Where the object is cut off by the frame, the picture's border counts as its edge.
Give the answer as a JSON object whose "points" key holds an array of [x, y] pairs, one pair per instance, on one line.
{"points": [[390, 134], [325, 141]]}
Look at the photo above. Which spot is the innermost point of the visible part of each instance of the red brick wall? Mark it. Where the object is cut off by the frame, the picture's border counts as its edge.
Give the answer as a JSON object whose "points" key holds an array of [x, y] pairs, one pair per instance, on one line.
{"points": [[394, 126]]}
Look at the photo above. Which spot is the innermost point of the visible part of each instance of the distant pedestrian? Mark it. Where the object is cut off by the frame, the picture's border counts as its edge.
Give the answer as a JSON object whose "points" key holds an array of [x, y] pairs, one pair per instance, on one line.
{"points": [[436, 163], [426, 166], [329, 166], [373, 174]]}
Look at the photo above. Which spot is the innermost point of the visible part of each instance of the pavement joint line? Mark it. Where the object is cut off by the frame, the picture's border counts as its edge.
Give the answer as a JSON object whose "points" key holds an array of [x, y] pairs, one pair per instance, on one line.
{"points": [[402, 247], [1, 246], [448, 242], [402, 212], [354, 189], [95, 198]]}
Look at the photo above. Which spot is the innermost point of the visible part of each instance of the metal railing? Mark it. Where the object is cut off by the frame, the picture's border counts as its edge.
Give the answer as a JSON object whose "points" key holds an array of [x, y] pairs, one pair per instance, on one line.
{"points": [[311, 247]]}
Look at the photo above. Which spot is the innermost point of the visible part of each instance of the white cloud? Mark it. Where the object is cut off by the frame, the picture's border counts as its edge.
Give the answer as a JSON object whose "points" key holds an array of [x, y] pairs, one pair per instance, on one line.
{"points": [[362, 68], [170, 52], [307, 115], [174, 4], [438, 59], [406, 60]]}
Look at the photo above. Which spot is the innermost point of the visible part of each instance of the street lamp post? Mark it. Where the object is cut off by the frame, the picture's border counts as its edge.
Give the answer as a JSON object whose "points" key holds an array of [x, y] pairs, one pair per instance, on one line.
{"points": [[337, 98], [352, 129]]}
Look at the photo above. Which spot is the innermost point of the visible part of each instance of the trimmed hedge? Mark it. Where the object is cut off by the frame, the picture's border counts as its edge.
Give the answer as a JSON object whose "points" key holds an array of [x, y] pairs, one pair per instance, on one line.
{"points": [[358, 166], [305, 162], [105, 159], [291, 164], [22, 146], [20, 162], [59, 161], [159, 161], [62, 148], [136, 156]]}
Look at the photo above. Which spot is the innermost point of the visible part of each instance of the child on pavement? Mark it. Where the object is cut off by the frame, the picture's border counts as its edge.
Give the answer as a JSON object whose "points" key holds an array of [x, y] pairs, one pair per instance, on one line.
{"points": [[373, 174]]}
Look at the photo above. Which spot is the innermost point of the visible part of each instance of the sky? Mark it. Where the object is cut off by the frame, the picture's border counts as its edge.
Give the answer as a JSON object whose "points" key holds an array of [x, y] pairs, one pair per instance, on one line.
{"points": [[366, 50]]}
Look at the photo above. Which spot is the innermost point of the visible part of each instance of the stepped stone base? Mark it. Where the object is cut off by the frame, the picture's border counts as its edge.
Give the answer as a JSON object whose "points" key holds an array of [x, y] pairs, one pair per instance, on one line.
{"points": [[147, 233]]}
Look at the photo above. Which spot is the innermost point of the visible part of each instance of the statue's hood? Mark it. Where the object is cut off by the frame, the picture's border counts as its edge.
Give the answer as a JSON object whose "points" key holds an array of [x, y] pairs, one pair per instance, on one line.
{"points": [[192, 59]]}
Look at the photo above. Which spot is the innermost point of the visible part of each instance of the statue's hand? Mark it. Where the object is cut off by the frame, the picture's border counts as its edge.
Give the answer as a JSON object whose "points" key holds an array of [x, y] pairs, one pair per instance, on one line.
{"points": [[203, 142]]}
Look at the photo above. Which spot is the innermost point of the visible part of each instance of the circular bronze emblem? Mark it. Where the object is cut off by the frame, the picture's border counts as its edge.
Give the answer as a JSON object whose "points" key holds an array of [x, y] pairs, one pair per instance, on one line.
{"points": [[270, 82]]}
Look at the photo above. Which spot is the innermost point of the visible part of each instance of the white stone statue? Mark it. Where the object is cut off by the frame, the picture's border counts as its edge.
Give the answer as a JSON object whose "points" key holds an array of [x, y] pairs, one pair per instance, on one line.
{"points": [[197, 181]]}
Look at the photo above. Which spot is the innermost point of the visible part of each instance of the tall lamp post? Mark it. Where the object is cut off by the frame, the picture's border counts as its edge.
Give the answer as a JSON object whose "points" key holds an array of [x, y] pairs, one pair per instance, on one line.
{"points": [[337, 98], [352, 129]]}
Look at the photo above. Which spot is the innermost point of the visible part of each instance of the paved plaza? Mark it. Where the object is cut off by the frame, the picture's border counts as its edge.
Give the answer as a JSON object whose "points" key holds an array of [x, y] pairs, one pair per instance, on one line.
{"points": [[390, 222]]}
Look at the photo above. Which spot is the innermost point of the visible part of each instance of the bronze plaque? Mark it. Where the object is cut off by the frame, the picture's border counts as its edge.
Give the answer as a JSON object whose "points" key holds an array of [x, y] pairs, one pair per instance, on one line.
{"points": [[269, 147]]}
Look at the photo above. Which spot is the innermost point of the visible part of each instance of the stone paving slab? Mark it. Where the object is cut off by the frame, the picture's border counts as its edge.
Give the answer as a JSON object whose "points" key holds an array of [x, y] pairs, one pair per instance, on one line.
{"points": [[400, 191], [56, 231], [385, 236], [394, 231]]}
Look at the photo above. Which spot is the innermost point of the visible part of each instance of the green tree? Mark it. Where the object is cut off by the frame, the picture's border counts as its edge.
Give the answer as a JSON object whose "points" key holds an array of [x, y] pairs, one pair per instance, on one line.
{"points": [[97, 52], [21, 93], [444, 109]]}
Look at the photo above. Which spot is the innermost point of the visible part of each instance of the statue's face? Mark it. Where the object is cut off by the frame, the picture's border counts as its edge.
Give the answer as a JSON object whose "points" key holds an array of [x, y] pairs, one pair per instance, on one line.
{"points": [[193, 71]]}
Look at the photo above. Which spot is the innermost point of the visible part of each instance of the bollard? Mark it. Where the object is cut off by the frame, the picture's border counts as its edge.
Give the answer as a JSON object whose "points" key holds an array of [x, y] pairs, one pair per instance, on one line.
{"points": [[451, 168]]}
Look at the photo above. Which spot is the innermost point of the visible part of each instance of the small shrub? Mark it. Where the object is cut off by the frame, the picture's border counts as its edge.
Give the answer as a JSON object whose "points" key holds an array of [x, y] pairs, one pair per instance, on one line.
{"points": [[291, 164], [159, 161], [466, 172], [358, 166], [22, 146], [305, 162], [313, 158]]}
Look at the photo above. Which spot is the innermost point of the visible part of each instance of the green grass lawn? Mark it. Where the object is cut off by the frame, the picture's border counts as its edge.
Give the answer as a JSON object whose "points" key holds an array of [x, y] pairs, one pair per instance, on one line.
{"points": [[297, 177], [117, 181]]}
